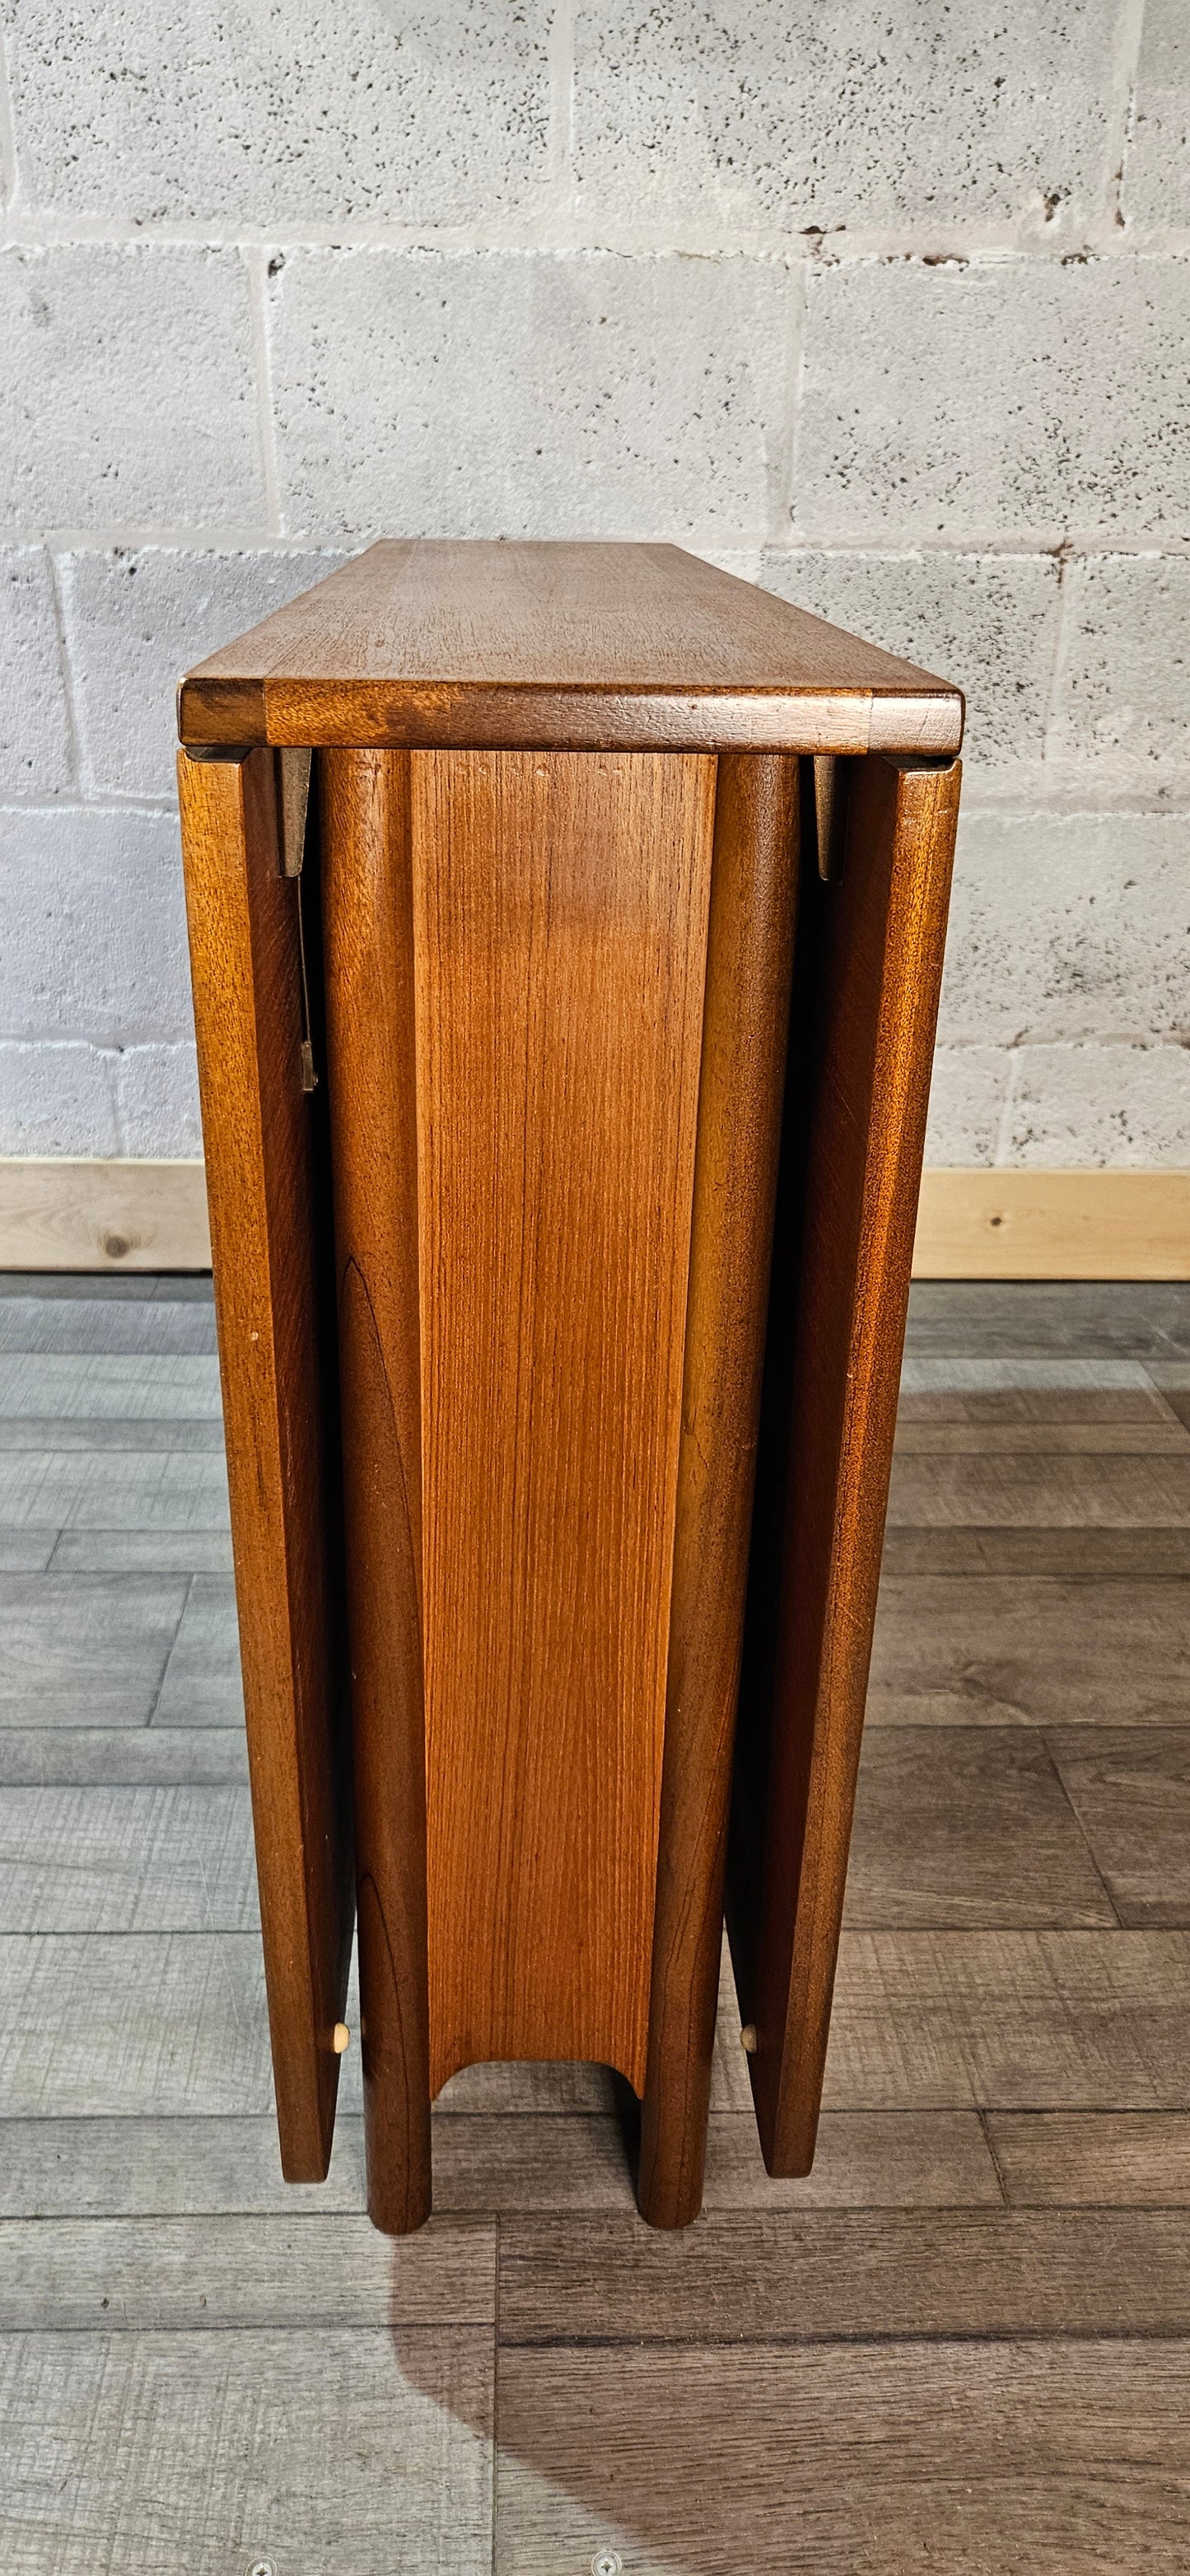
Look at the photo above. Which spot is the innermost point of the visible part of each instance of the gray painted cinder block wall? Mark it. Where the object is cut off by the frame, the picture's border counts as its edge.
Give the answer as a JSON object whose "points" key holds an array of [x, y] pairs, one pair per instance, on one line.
{"points": [[887, 309]]}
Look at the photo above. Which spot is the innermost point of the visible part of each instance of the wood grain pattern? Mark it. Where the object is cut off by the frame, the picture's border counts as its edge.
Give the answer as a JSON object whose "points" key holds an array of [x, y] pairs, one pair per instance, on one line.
{"points": [[1130, 1790], [126, 1756], [111, 2024], [1053, 1225], [266, 1196], [844, 2273], [1029, 1650], [1021, 2020], [126, 1860], [209, 2452], [965, 1825], [870, 964], [560, 915], [57, 1215], [1110, 2159], [979, 2458], [299, 2269], [368, 939], [749, 959], [129, 1215], [1016, 1490], [557, 646]]}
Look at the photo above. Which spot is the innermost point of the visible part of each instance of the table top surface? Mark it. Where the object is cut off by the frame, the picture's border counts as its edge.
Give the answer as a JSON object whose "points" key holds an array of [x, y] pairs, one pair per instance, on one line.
{"points": [[457, 641]]}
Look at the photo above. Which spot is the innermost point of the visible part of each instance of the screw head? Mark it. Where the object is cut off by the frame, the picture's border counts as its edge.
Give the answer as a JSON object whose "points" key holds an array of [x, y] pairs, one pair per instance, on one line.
{"points": [[607, 2562], [262, 2567]]}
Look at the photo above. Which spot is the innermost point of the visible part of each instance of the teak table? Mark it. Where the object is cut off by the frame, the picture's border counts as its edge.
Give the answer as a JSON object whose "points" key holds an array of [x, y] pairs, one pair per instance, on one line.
{"points": [[564, 1031]]}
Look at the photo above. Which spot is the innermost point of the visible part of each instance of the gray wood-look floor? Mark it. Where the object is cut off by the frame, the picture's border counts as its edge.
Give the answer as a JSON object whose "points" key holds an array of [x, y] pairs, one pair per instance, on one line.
{"points": [[963, 2344]]}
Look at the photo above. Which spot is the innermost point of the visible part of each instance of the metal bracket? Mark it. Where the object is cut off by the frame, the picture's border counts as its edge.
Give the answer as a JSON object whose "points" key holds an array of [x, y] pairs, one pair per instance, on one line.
{"points": [[293, 806], [293, 780]]}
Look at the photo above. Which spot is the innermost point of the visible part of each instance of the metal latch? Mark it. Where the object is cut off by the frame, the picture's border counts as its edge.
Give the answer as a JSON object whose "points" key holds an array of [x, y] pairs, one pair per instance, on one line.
{"points": [[293, 806]]}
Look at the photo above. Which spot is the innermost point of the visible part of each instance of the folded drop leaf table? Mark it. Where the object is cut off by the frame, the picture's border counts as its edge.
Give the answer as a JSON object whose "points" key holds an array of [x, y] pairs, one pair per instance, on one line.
{"points": [[566, 925]]}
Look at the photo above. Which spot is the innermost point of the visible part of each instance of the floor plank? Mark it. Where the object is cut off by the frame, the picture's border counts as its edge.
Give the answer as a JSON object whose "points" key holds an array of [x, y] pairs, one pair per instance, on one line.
{"points": [[136, 1757], [118, 1490], [26, 1551], [1141, 1555], [967, 1825], [162, 2275], [1131, 1793], [95, 1647], [1021, 1650], [113, 2024], [203, 1684], [972, 2458], [917, 1438], [1117, 2159], [1071, 1319], [490, 2163], [752, 2276], [94, 1387], [47, 1431], [154, 2454], [972, 1373], [512, 2164], [154, 1551], [1016, 1489], [126, 1860], [180, 2167], [864, 2160], [1011, 2020], [998, 1393], [127, 1287], [95, 1326]]}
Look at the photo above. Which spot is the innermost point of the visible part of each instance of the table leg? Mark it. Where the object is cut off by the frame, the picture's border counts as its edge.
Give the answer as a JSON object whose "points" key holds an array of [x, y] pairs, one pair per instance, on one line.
{"points": [[867, 977], [368, 958], [266, 1184], [749, 957]]}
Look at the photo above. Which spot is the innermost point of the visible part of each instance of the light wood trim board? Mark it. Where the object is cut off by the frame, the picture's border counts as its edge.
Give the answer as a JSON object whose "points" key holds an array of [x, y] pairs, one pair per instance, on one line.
{"points": [[980, 1224]]}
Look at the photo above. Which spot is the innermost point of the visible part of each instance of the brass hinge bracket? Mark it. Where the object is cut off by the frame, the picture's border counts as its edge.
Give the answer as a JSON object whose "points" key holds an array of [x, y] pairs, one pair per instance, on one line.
{"points": [[293, 807]]}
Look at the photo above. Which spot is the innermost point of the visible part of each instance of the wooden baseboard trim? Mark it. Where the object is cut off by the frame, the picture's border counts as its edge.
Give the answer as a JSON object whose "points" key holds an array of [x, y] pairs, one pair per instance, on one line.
{"points": [[1053, 1225], [59, 1215], [103, 1216]]}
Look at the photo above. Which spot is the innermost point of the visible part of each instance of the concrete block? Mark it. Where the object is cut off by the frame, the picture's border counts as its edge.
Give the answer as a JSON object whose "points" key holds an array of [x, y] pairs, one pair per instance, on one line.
{"points": [[246, 113], [848, 113], [57, 1100], [1125, 695], [136, 618], [95, 939], [1102, 1106], [531, 394], [128, 388], [1068, 926], [157, 1101], [967, 1097], [1039, 398], [34, 729], [1156, 189], [988, 622]]}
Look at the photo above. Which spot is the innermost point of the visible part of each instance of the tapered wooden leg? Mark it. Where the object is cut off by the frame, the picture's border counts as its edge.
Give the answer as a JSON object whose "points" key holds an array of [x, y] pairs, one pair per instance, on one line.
{"points": [[749, 954], [368, 956], [866, 999], [267, 1188]]}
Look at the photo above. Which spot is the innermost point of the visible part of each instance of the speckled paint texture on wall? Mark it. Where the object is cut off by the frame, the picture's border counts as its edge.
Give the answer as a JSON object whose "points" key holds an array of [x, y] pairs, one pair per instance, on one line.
{"points": [[886, 309]]}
